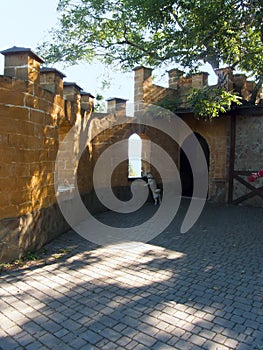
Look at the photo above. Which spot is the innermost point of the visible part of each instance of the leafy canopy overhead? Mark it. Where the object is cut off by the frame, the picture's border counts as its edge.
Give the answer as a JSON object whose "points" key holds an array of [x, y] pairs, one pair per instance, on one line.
{"points": [[184, 32], [210, 102]]}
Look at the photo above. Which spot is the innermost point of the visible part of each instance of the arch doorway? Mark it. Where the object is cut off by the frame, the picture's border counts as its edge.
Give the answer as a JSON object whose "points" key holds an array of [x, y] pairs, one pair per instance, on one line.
{"points": [[185, 167]]}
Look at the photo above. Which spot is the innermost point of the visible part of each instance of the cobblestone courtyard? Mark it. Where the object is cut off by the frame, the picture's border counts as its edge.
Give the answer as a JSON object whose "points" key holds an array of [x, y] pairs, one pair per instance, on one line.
{"points": [[198, 290]]}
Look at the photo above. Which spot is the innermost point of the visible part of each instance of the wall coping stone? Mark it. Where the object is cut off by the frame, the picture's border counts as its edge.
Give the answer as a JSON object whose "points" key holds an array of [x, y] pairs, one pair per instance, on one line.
{"points": [[52, 70], [16, 50], [142, 67], [117, 99], [84, 93], [68, 83]]}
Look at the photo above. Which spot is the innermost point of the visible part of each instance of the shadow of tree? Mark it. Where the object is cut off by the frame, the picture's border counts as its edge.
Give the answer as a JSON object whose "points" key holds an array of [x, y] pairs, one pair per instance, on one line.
{"points": [[200, 290]]}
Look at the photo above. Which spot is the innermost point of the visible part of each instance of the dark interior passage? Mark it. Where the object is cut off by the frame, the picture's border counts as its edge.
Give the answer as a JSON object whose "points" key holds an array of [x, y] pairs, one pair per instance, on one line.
{"points": [[186, 173]]}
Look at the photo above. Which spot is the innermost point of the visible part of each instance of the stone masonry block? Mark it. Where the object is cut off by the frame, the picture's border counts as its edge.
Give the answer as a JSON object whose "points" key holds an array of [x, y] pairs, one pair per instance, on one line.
{"points": [[199, 80], [10, 72], [21, 73], [4, 200], [33, 75], [6, 82], [46, 106], [31, 101], [19, 197], [19, 85], [37, 117], [46, 95], [16, 60], [9, 232], [11, 98]]}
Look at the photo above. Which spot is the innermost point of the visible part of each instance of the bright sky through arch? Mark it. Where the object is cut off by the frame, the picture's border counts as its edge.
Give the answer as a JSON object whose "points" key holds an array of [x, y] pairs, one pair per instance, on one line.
{"points": [[135, 154]]}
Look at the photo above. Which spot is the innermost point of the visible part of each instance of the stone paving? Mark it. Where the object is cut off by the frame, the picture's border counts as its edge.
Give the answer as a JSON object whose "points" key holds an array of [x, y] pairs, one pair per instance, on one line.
{"points": [[198, 290]]}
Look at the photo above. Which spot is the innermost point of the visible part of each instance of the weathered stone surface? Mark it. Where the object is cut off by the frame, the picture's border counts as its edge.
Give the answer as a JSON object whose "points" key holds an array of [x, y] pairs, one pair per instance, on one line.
{"points": [[30, 232]]}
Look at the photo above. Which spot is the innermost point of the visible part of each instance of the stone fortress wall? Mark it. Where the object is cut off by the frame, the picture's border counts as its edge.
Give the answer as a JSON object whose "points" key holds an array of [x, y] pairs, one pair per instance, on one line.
{"points": [[215, 133], [38, 109]]}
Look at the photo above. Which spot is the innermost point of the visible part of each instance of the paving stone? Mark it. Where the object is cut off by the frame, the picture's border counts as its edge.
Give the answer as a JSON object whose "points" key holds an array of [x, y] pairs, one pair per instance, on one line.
{"points": [[163, 336], [61, 333], [223, 322], [243, 346], [197, 340], [91, 337], [123, 341], [130, 321], [141, 347], [144, 339], [231, 343], [211, 345], [184, 345], [52, 326], [252, 324], [238, 319], [78, 343], [173, 340], [71, 325], [132, 345], [110, 334], [102, 343], [143, 297], [108, 321], [62, 346], [8, 344], [35, 346], [49, 340], [162, 346], [119, 327], [130, 332]]}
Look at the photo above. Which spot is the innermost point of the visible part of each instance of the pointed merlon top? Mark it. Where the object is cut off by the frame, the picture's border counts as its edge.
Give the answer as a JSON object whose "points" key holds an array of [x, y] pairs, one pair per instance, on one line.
{"points": [[117, 99], [52, 70], [68, 83], [16, 50], [140, 67], [176, 70], [84, 93]]}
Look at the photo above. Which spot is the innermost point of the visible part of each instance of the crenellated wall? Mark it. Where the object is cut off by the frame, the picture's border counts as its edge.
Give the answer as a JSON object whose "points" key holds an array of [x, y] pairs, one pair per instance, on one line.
{"points": [[38, 110], [216, 133], [180, 86]]}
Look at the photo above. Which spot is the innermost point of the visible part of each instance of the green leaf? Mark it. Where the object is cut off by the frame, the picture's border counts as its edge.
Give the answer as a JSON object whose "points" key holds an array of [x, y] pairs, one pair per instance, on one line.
{"points": [[188, 33], [211, 102]]}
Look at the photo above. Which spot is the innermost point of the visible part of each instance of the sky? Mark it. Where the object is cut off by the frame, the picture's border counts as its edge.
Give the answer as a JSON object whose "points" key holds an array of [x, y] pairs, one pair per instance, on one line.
{"points": [[25, 23]]}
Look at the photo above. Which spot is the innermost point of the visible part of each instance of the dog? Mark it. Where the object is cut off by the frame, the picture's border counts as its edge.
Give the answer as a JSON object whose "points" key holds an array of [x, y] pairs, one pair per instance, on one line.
{"points": [[156, 192]]}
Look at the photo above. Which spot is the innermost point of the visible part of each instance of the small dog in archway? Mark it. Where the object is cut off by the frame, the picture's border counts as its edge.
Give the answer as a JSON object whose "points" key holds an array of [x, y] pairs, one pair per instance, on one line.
{"points": [[156, 192]]}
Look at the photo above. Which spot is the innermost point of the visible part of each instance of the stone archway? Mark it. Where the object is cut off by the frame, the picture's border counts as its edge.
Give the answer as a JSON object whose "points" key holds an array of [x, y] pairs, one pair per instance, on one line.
{"points": [[185, 167]]}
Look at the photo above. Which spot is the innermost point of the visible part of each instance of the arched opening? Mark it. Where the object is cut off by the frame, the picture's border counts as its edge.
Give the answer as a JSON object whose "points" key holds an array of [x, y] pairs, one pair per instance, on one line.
{"points": [[135, 156], [139, 155], [185, 167]]}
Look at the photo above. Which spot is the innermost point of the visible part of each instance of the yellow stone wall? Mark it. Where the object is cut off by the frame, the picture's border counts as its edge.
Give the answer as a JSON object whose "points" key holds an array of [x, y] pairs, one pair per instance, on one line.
{"points": [[36, 113], [28, 147]]}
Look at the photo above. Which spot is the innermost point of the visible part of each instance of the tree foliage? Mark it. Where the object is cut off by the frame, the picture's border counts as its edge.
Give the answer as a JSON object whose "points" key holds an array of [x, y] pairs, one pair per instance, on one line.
{"points": [[100, 104], [210, 102], [184, 32]]}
